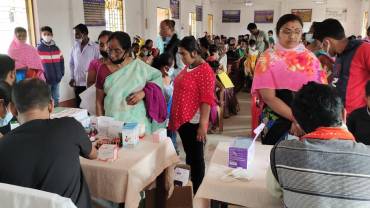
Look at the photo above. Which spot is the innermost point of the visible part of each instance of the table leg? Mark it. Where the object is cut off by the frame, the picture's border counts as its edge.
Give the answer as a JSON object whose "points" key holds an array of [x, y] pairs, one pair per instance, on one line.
{"points": [[160, 193], [218, 204]]}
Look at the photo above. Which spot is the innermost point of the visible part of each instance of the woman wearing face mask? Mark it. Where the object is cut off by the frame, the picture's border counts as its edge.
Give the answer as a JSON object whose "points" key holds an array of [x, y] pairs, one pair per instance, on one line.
{"points": [[5, 114], [27, 60], [193, 97], [96, 63], [127, 89], [279, 73], [168, 43]]}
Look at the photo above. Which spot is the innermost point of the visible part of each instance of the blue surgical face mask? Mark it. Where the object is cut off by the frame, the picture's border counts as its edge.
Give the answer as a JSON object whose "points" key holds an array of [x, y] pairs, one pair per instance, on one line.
{"points": [[5, 121], [171, 72], [166, 40]]}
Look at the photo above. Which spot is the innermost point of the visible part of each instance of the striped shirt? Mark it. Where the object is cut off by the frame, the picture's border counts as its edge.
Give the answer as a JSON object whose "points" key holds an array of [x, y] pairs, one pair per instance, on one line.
{"points": [[322, 173], [52, 61]]}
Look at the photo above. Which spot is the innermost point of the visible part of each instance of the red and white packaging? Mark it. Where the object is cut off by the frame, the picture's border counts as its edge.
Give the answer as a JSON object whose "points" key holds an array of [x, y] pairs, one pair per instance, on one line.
{"points": [[108, 152]]}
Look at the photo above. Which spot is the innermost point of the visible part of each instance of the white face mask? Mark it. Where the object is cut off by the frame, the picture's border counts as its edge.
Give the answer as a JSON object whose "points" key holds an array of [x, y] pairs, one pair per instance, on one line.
{"points": [[5, 121], [47, 38], [78, 40], [327, 51], [309, 38]]}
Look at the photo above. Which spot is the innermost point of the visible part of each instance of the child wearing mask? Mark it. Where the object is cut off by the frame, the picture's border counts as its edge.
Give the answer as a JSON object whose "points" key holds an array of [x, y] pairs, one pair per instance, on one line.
{"points": [[164, 63], [250, 62], [52, 60], [271, 38], [145, 55]]}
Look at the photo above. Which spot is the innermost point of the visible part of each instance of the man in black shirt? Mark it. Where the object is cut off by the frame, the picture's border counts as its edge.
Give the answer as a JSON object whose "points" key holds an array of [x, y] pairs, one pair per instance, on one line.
{"points": [[359, 120], [43, 153]]}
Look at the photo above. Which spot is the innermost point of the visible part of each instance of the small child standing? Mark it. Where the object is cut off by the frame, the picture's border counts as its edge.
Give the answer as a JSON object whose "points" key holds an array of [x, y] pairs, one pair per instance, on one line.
{"points": [[250, 62], [164, 63]]}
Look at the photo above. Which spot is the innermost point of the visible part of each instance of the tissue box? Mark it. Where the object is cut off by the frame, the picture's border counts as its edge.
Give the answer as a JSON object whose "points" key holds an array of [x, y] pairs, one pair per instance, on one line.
{"points": [[241, 153], [130, 134], [159, 135], [108, 152]]}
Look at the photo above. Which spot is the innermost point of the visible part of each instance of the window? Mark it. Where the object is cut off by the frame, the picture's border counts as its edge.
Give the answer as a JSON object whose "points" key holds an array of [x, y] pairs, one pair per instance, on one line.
{"points": [[15, 13], [114, 17], [192, 24], [210, 24], [162, 14]]}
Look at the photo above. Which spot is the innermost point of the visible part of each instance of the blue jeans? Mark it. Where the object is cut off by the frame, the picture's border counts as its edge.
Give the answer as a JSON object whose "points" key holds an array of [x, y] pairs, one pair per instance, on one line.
{"points": [[55, 93]]}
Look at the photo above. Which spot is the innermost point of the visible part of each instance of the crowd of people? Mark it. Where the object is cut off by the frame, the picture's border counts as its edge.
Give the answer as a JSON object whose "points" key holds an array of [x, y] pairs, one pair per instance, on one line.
{"points": [[304, 85]]}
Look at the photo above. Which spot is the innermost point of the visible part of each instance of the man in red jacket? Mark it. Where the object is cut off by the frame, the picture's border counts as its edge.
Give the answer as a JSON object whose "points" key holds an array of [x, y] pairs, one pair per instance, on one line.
{"points": [[352, 65]]}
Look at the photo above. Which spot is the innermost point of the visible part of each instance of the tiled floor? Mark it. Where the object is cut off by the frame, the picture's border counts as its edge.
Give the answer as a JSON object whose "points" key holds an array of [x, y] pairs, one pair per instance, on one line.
{"points": [[233, 127]]}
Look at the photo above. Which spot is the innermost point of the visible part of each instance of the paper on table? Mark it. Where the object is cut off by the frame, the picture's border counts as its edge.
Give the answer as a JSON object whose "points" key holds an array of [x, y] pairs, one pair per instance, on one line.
{"points": [[88, 98]]}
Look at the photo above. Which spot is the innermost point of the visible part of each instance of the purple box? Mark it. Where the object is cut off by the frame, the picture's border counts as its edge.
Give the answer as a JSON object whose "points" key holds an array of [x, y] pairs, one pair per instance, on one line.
{"points": [[241, 152]]}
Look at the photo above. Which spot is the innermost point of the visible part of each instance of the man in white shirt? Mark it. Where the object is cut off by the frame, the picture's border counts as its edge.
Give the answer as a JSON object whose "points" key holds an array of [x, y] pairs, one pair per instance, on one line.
{"points": [[83, 52]]}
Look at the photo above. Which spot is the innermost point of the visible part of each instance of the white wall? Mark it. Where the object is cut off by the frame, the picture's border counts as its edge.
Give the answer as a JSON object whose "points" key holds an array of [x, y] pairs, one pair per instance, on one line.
{"points": [[352, 25], [63, 15]]}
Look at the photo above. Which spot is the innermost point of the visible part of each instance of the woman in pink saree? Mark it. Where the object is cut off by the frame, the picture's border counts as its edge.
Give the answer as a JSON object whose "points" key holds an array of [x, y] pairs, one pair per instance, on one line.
{"points": [[279, 73], [27, 61]]}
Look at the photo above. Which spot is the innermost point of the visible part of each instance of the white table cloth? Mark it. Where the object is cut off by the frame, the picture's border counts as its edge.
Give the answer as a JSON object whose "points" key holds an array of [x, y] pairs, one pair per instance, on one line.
{"points": [[252, 193], [136, 168]]}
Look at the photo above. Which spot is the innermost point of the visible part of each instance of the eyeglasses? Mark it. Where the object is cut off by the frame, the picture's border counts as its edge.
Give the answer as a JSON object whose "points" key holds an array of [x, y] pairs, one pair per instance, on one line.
{"points": [[289, 32]]}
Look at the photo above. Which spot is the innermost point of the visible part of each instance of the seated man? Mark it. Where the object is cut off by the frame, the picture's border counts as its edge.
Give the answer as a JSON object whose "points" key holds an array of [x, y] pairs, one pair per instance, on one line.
{"points": [[43, 153], [326, 167]]}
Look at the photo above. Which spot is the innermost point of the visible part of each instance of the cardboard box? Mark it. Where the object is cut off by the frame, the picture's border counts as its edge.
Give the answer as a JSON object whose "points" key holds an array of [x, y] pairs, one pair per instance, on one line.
{"points": [[182, 196], [130, 134], [241, 151]]}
